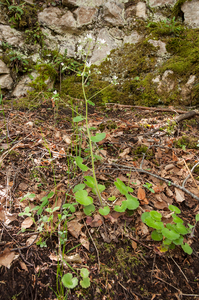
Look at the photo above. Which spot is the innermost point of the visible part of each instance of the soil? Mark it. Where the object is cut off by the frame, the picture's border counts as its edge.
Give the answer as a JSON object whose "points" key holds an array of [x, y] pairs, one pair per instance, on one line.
{"points": [[123, 261]]}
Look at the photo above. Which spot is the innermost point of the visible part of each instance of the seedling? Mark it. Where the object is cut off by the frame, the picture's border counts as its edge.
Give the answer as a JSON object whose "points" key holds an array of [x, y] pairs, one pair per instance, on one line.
{"points": [[172, 234]]}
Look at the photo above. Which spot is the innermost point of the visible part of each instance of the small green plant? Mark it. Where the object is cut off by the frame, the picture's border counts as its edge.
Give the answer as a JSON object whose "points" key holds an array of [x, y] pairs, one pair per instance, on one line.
{"points": [[34, 35], [148, 186], [71, 282], [172, 234]]}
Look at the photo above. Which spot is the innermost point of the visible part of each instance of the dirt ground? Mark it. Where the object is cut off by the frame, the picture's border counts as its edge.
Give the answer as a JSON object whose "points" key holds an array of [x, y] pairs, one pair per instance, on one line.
{"points": [[38, 147]]}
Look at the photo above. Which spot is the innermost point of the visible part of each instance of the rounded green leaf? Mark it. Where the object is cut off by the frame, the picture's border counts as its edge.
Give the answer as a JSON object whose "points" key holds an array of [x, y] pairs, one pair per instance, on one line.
{"points": [[78, 119], [89, 209], [112, 198], [69, 282], [187, 248], [79, 161], [84, 272], [104, 211], [176, 219], [167, 242], [121, 208], [144, 216], [170, 234], [78, 187], [175, 209], [180, 228], [156, 236], [156, 215], [179, 241], [197, 217], [132, 202], [121, 186], [99, 137], [85, 283], [83, 198]]}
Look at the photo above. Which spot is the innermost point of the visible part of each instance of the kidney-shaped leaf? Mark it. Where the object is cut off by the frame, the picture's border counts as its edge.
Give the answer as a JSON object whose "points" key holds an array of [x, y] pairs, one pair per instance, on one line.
{"points": [[83, 198], [99, 137]]}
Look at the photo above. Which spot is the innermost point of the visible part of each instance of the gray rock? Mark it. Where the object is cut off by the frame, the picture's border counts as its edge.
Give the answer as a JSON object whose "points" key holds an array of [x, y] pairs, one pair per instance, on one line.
{"points": [[6, 82], [85, 15], [191, 13], [113, 14], [3, 68], [155, 3]]}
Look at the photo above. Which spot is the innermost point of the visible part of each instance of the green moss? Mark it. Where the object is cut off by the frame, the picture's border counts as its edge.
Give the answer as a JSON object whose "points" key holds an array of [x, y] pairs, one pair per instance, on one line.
{"points": [[177, 12], [187, 141]]}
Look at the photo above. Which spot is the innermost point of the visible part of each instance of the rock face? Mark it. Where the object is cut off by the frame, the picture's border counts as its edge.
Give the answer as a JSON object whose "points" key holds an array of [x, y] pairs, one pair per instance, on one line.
{"points": [[116, 23], [191, 13]]}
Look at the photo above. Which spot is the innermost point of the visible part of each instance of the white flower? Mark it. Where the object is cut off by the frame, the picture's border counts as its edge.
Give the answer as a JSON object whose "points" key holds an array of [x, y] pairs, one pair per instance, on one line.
{"points": [[115, 77], [55, 92], [79, 48], [102, 41], [88, 64], [89, 36], [114, 80], [62, 64]]}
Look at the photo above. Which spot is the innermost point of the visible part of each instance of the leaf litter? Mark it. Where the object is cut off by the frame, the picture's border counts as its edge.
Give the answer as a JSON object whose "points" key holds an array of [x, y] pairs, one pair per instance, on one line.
{"points": [[141, 150]]}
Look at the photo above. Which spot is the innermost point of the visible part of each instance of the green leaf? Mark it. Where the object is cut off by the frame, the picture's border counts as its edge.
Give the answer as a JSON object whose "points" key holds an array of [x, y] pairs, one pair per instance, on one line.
{"points": [[99, 137], [180, 228], [144, 216], [175, 209], [97, 157], [44, 203], [39, 211], [84, 272], [78, 187], [170, 234], [69, 282], [156, 215], [91, 103], [44, 199], [30, 196], [179, 241], [121, 186], [90, 181], [121, 208], [50, 194], [79, 161], [154, 224], [78, 119], [130, 190], [167, 242], [85, 283], [101, 188], [104, 211], [197, 217], [132, 202], [89, 209], [156, 236], [83, 198], [112, 198], [176, 219], [187, 248]]}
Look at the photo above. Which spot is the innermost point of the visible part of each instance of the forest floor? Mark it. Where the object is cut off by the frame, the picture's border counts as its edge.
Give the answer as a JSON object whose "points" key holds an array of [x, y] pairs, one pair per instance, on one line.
{"points": [[38, 147]]}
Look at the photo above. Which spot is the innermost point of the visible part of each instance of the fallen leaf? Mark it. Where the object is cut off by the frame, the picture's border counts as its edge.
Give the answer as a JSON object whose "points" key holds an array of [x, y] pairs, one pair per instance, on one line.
{"points": [[6, 258], [125, 152], [95, 222], [23, 266], [84, 241], [134, 245], [31, 239], [179, 195], [27, 223], [74, 227], [141, 194]]}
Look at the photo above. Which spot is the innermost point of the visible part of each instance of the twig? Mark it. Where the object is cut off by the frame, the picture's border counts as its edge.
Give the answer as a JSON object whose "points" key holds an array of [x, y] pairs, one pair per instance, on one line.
{"points": [[94, 246], [158, 177], [179, 268], [190, 295], [191, 174], [184, 182]]}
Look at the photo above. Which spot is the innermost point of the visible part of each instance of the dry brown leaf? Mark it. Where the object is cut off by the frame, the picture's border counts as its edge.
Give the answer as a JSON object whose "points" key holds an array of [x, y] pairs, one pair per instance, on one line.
{"points": [[174, 157], [74, 227], [169, 167], [134, 245], [179, 195], [23, 266], [27, 223], [94, 222], [84, 241], [73, 258], [141, 194], [6, 258], [125, 152], [31, 239], [66, 139]]}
